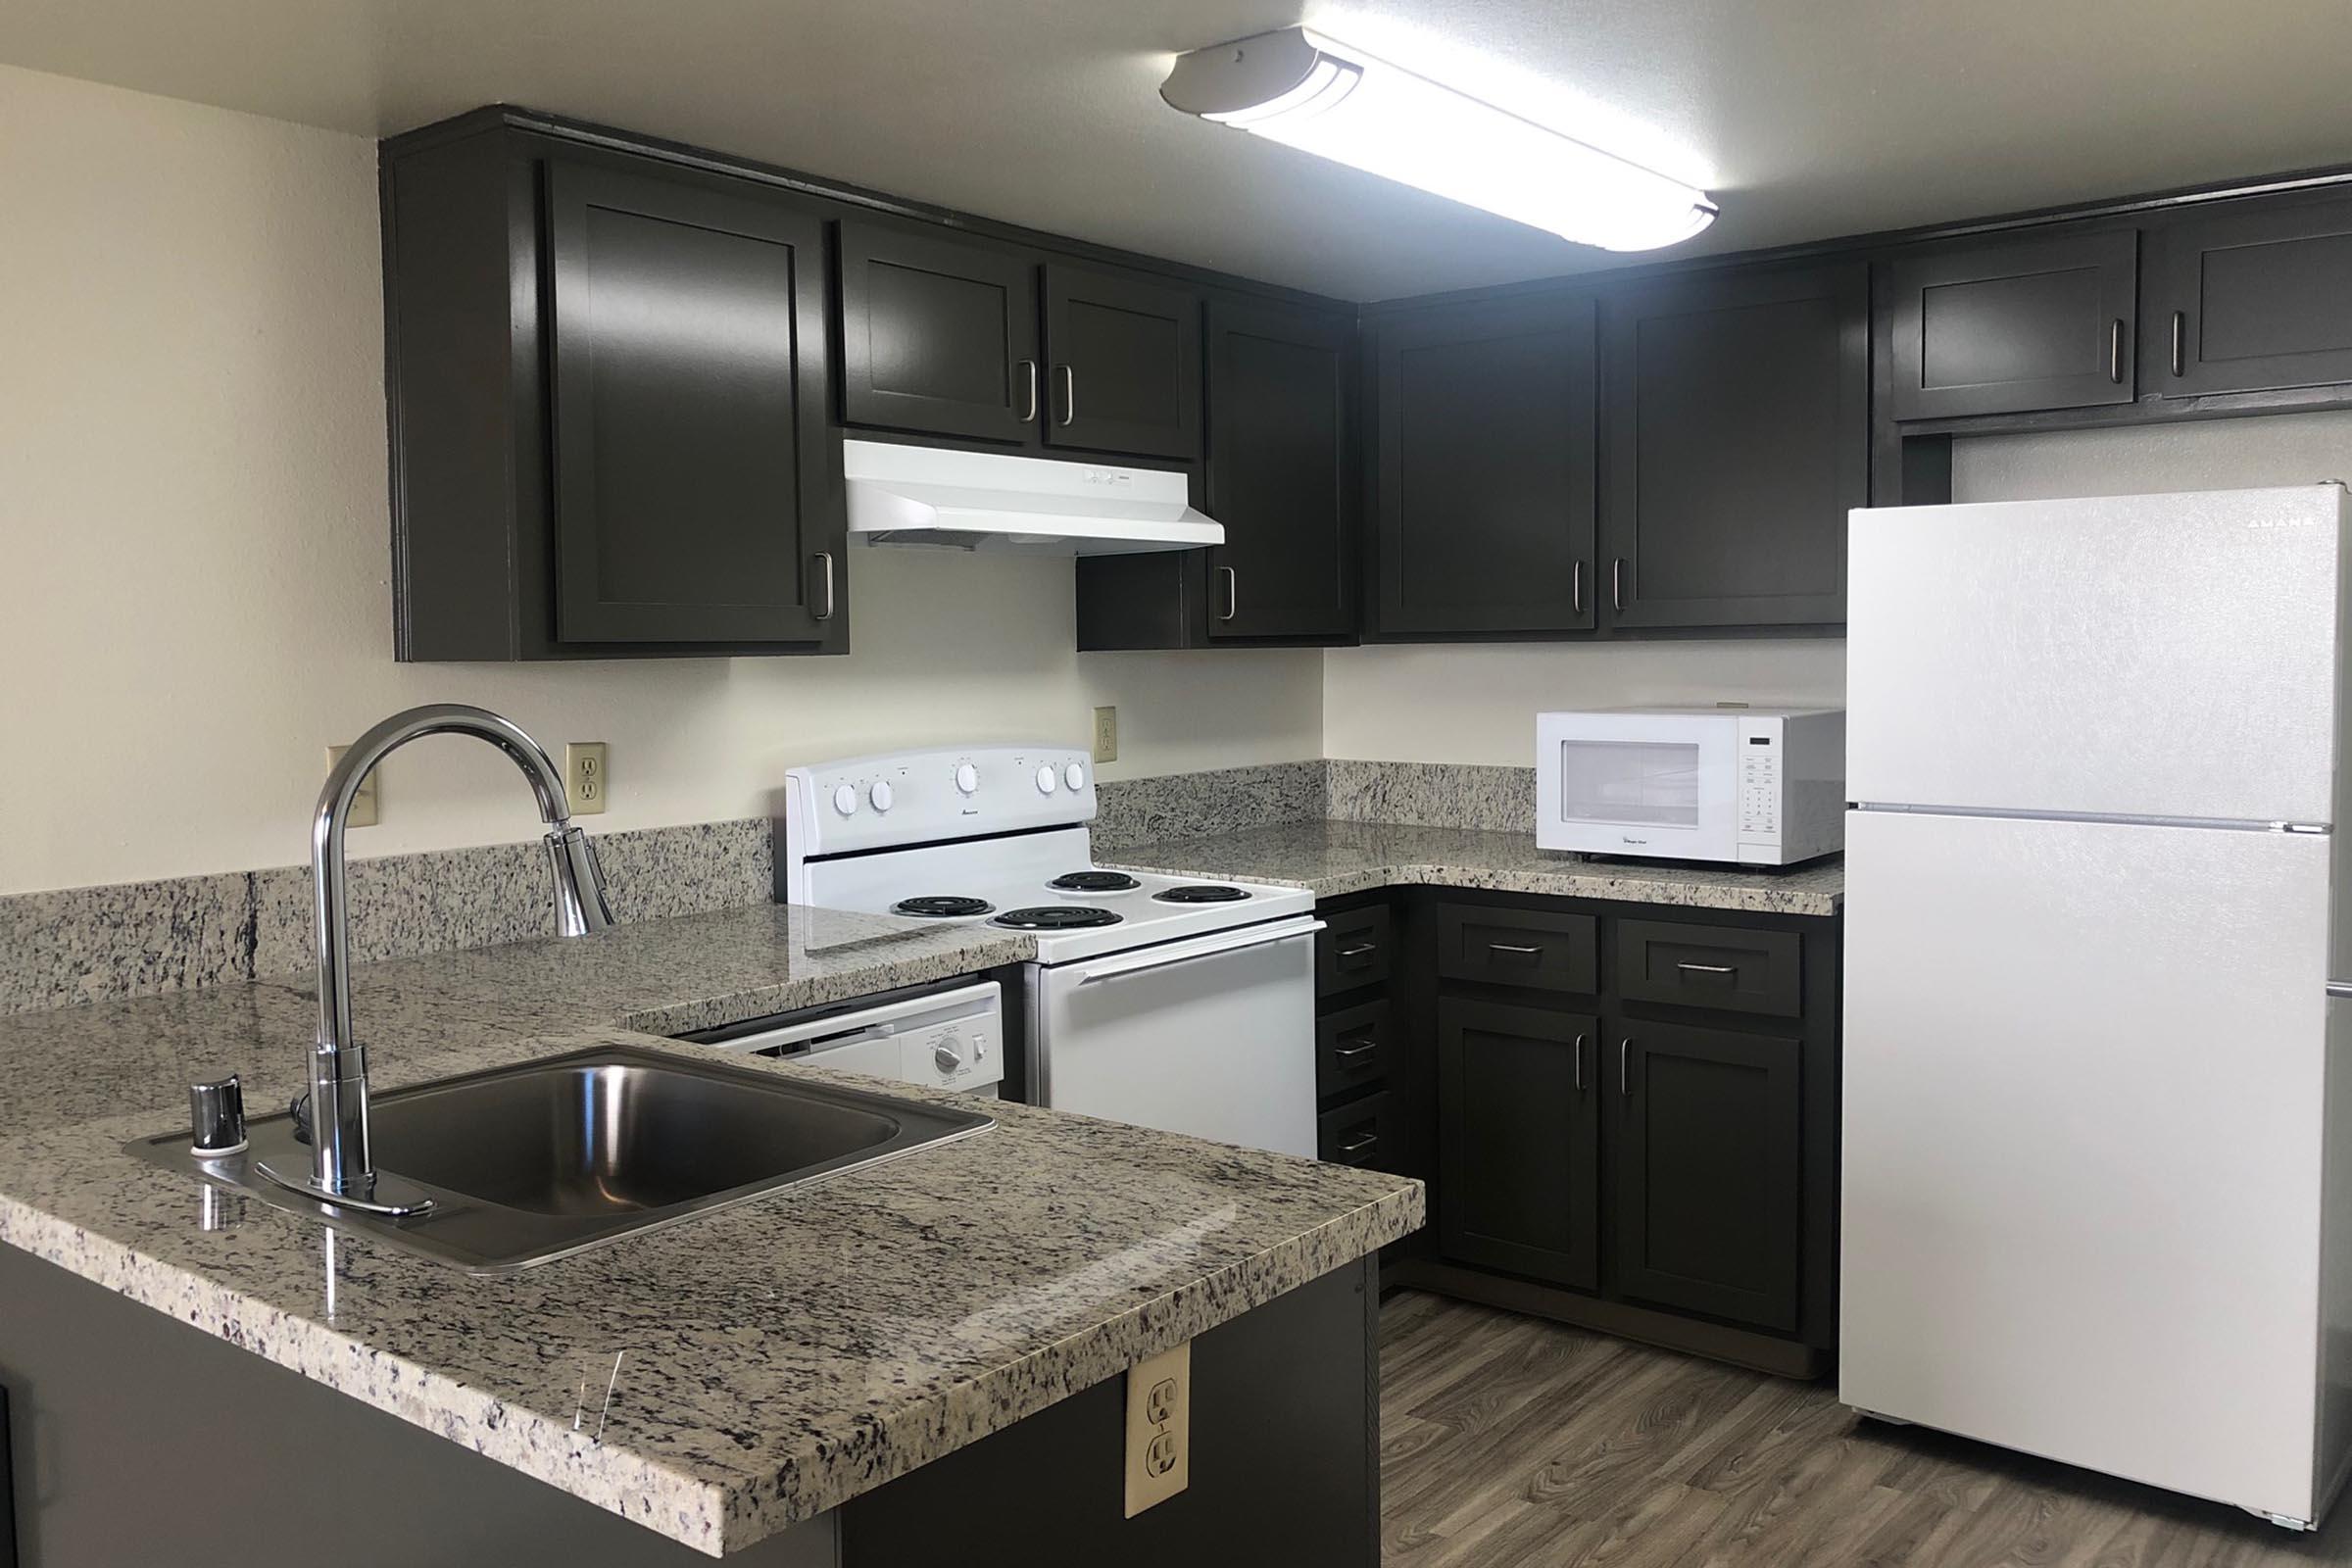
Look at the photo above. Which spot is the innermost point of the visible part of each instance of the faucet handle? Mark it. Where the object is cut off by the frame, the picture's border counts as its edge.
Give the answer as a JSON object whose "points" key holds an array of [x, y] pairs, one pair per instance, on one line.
{"points": [[216, 1117]]}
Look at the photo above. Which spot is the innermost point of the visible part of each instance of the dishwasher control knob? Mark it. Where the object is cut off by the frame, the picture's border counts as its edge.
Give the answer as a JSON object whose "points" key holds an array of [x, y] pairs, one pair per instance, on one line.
{"points": [[946, 1059], [1075, 776], [1045, 779], [968, 778], [845, 799], [880, 794]]}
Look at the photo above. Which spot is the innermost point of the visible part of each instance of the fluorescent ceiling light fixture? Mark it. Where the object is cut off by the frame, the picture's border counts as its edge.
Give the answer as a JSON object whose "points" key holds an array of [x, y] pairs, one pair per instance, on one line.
{"points": [[1335, 101]]}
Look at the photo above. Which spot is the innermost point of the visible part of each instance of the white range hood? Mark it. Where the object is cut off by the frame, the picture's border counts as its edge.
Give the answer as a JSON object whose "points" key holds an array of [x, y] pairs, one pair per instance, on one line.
{"points": [[908, 495]]}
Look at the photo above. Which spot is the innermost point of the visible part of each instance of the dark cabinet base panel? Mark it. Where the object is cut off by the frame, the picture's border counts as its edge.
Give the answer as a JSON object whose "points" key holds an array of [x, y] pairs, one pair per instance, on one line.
{"points": [[1762, 1353]]}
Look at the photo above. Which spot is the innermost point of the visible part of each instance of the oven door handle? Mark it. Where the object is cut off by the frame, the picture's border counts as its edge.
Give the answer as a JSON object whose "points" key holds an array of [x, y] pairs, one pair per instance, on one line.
{"points": [[1176, 952]]}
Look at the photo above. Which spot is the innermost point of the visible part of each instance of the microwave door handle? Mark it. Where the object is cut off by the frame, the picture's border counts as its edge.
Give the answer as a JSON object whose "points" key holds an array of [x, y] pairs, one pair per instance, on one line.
{"points": [[1207, 948]]}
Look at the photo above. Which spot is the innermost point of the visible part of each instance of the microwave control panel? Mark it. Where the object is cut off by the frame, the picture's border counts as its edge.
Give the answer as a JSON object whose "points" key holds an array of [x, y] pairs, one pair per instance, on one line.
{"points": [[1759, 779]]}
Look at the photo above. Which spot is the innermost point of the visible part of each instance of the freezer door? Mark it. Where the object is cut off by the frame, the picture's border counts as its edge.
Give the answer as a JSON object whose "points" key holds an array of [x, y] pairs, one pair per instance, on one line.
{"points": [[2168, 655], [2082, 1131]]}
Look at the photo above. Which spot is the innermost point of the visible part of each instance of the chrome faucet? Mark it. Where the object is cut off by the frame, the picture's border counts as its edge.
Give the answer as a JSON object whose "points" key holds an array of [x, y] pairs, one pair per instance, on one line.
{"points": [[342, 1164]]}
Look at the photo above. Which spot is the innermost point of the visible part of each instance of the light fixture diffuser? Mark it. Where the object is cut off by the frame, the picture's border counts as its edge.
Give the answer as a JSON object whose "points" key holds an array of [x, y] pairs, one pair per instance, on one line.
{"points": [[1338, 102]]}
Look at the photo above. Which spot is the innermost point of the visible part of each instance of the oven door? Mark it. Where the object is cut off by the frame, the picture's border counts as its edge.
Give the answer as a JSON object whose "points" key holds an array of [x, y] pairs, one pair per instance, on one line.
{"points": [[1656, 784], [1212, 1036]]}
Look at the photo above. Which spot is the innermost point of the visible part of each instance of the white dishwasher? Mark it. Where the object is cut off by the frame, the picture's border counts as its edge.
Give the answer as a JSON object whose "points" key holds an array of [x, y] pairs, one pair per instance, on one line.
{"points": [[949, 1037]]}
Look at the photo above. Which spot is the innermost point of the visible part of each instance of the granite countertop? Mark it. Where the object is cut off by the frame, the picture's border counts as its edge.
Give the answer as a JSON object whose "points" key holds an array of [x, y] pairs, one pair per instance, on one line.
{"points": [[765, 1363], [1335, 858]]}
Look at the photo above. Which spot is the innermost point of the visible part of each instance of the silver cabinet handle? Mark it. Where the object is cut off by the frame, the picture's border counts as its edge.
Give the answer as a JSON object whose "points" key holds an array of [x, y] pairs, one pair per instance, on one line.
{"points": [[825, 562], [1233, 593], [1029, 369], [2115, 352], [1625, 1076], [1576, 588], [1069, 396], [1617, 584], [1514, 949], [1707, 968], [1357, 950], [1361, 1145], [1354, 1053], [1579, 1048], [2179, 339]]}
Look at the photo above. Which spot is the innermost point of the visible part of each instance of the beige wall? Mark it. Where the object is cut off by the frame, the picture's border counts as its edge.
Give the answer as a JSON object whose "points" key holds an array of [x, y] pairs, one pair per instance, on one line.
{"points": [[194, 566]]}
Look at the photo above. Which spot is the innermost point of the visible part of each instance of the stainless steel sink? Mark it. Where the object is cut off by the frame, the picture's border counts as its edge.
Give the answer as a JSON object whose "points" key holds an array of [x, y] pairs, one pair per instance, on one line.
{"points": [[539, 1160]]}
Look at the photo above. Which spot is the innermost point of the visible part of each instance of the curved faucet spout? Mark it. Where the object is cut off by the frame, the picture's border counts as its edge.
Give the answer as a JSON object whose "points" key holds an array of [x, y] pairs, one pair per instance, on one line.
{"points": [[341, 1160]]}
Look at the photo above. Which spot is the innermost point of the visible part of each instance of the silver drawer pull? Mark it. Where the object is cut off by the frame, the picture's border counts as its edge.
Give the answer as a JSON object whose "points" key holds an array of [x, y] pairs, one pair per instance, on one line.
{"points": [[1707, 968], [1359, 950], [1514, 949], [1353, 1051], [1358, 1145]]}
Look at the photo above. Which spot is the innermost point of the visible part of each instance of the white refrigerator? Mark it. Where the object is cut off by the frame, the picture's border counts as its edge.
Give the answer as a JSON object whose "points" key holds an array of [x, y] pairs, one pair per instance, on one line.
{"points": [[2097, 1108]]}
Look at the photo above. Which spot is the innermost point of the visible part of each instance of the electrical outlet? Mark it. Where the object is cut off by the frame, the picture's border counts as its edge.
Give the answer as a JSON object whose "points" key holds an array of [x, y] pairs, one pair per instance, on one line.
{"points": [[1106, 734], [364, 804], [584, 777], [1159, 1421]]}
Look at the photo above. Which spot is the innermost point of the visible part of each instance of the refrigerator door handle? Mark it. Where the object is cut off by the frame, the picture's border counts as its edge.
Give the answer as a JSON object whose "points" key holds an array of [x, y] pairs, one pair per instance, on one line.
{"points": [[2339, 987]]}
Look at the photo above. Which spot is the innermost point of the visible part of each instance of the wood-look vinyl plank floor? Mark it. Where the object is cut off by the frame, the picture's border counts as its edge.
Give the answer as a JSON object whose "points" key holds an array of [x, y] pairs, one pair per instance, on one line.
{"points": [[1508, 1441]]}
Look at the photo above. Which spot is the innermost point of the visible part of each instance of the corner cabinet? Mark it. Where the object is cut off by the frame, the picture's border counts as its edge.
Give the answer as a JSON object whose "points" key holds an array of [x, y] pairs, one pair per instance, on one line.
{"points": [[1737, 410], [610, 385], [1484, 421]]}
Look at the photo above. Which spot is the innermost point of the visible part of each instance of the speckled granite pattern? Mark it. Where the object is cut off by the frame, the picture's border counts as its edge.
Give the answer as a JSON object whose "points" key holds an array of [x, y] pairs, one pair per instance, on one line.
{"points": [[141, 938], [1493, 800], [1226, 800], [774, 1359], [129, 940], [1339, 858]]}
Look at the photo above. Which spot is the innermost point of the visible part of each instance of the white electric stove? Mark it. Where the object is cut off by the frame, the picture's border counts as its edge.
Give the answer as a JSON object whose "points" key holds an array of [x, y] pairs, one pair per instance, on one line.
{"points": [[1187, 1006]]}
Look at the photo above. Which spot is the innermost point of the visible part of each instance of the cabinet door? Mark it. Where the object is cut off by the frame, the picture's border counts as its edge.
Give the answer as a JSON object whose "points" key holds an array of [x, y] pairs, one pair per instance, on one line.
{"points": [[1125, 364], [1485, 520], [2249, 295], [1518, 1141], [2044, 322], [697, 486], [1739, 437], [1280, 473], [938, 335], [1705, 1170]]}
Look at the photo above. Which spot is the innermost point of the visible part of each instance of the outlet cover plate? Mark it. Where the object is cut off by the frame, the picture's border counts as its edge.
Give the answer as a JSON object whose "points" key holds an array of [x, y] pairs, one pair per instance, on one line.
{"points": [[1160, 1428], [366, 805], [585, 780], [1106, 734]]}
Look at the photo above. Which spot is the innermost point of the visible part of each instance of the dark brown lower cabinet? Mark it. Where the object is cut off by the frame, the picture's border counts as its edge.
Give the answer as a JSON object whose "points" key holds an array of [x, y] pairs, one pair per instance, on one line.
{"points": [[1706, 1169], [1518, 1141]]}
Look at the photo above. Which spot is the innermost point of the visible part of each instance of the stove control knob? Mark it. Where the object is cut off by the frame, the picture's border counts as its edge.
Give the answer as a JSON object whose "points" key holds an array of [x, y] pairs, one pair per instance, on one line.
{"points": [[1075, 776], [946, 1059], [879, 796], [1045, 779], [967, 779], [845, 800]]}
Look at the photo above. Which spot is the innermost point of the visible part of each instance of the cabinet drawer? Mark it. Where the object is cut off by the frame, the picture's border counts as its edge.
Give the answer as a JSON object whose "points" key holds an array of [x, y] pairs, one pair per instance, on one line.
{"points": [[1532, 949], [1355, 949], [1354, 1046], [1729, 968], [1356, 1134]]}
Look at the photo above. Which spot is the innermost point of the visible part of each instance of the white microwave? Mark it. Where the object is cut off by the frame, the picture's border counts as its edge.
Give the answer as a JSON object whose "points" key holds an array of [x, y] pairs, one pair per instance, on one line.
{"points": [[1746, 786]]}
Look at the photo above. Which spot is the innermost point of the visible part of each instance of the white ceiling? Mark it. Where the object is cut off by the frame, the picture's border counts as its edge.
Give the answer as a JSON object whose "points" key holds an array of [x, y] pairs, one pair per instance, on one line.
{"points": [[1807, 119]]}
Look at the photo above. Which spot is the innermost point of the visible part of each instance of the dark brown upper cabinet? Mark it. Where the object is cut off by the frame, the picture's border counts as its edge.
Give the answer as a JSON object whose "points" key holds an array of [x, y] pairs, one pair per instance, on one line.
{"points": [[2014, 326], [1123, 365], [686, 326], [938, 335], [1281, 471], [1706, 1170], [1519, 1187], [609, 385], [1485, 476], [1737, 409], [2248, 296]]}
